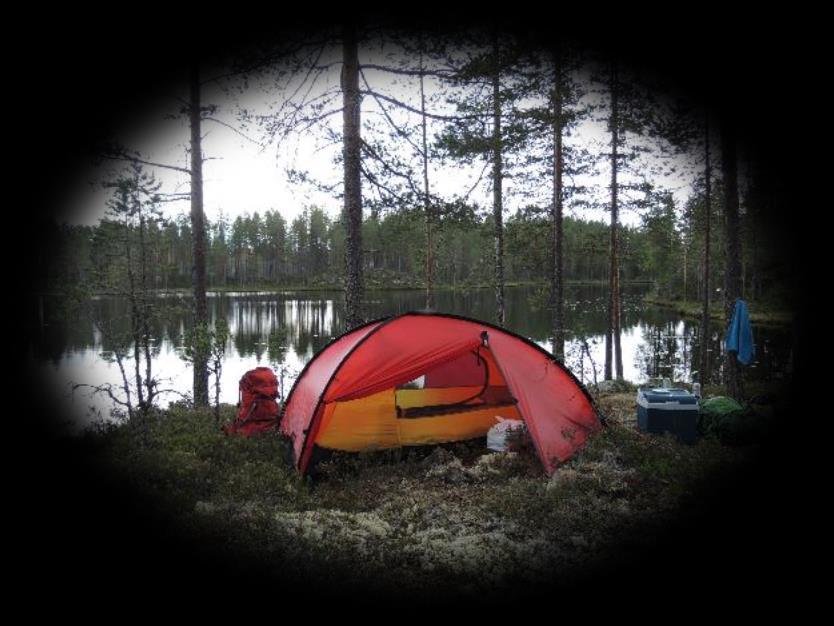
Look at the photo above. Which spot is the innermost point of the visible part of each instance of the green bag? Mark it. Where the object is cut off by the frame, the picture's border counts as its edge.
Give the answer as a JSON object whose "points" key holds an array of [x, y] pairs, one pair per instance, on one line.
{"points": [[729, 421]]}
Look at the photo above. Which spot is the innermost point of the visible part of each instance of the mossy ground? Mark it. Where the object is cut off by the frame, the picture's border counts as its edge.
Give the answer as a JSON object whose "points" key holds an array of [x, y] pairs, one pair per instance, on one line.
{"points": [[450, 517]]}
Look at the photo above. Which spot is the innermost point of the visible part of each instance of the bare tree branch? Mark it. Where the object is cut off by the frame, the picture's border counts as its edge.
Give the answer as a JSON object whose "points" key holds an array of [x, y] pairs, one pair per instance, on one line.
{"points": [[266, 61], [380, 186], [289, 100], [478, 181], [399, 131], [103, 388], [387, 167], [319, 118], [229, 126], [133, 159], [434, 116], [404, 72]]}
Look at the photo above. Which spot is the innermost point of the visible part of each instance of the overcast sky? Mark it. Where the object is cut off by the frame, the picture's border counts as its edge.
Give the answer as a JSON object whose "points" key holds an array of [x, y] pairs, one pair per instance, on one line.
{"points": [[244, 177]]}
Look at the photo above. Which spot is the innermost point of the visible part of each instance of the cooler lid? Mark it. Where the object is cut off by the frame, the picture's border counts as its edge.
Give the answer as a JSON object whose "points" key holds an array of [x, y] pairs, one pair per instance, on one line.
{"points": [[660, 395]]}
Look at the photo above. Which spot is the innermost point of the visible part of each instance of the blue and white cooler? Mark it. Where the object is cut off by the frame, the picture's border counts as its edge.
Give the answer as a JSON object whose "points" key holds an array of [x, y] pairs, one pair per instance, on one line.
{"points": [[662, 410]]}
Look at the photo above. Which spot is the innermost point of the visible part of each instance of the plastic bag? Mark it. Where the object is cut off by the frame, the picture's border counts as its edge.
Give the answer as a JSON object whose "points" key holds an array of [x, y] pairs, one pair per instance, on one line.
{"points": [[497, 435]]}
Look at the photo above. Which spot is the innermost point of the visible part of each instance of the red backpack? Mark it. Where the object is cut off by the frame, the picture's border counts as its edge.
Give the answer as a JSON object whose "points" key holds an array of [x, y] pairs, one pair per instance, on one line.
{"points": [[257, 408]]}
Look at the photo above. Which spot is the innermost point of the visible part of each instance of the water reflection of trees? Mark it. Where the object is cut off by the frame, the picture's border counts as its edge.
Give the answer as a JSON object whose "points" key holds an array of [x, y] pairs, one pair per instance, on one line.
{"points": [[671, 349], [305, 325], [267, 326], [73, 328], [662, 353]]}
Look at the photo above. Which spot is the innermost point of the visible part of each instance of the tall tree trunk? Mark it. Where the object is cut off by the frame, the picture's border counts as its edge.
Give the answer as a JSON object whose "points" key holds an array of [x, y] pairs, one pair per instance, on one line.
{"points": [[427, 197], [135, 321], [557, 297], [618, 350], [612, 333], [732, 248], [145, 313], [198, 239], [351, 143], [497, 180], [704, 365]]}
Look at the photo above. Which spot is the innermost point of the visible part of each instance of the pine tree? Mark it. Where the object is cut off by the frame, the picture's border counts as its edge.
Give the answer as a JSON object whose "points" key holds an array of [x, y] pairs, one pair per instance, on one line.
{"points": [[631, 123], [198, 234], [489, 70], [351, 142], [732, 246]]}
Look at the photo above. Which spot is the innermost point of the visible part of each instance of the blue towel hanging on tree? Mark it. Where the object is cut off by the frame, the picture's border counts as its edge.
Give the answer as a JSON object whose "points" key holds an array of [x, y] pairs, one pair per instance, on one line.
{"points": [[739, 337]]}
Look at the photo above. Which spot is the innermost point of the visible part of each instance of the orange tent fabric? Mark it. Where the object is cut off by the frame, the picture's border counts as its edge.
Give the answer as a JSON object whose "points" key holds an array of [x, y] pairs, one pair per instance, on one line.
{"points": [[421, 378]]}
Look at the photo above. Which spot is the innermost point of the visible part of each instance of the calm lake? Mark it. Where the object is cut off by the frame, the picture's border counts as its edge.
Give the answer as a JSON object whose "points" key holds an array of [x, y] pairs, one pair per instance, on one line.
{"points": [[284, 330]]}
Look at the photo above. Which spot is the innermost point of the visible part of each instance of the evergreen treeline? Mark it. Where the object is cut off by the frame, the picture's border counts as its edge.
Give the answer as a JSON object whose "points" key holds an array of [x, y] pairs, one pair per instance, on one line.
{"points": [[263, 250]]}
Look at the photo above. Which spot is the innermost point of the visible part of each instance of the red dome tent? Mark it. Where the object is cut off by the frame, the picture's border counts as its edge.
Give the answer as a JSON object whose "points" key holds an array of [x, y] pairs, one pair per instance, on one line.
{"points": [[425, 378]]}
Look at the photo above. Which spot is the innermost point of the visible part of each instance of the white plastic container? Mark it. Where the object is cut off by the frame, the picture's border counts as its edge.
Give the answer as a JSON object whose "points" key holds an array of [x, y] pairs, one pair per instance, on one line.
{"points": [[497, 435]]}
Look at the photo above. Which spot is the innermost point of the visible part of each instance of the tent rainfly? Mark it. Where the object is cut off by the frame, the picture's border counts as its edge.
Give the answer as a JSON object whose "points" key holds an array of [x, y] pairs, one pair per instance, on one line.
{"points": [[427, 378]]}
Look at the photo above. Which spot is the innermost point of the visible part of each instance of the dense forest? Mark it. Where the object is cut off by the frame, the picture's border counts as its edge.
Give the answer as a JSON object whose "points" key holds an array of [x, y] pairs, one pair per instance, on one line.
{"points": [[263, 250]]}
